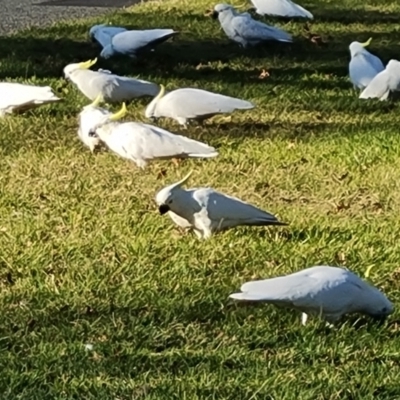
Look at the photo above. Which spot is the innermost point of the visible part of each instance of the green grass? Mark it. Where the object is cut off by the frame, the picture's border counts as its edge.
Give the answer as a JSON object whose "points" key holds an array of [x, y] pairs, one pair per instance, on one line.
{"points": [[85, 257]]}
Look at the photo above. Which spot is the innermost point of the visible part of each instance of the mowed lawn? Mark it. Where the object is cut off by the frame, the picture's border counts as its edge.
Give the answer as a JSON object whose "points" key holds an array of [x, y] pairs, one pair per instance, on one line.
{"points": [[86, 258]]}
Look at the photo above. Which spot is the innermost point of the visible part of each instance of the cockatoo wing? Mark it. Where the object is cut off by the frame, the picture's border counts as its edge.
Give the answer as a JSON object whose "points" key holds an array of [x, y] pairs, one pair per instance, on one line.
{"points": [[131, 41], [379, 87], [192, 103], [149, 142], [252, 30], [16, 95], [281, 8], [376, 63], [322, 287], [118, 88], [223, 207], [104, 34]]}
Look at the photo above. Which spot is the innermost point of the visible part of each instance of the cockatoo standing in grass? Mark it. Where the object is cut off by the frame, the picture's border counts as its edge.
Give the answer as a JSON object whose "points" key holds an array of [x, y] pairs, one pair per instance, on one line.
{"points": [[243, 29], [187, 104], [128, 42], [103, 33], [207, 211], [91, 115], [363, 66], [330, 292], [18, 97], [112, 88], [384, 83], [142, 143]]}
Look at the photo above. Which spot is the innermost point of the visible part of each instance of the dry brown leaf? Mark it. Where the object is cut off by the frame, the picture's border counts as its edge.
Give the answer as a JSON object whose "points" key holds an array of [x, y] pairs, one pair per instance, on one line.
{"points": [[291, 145], [341, 257]]}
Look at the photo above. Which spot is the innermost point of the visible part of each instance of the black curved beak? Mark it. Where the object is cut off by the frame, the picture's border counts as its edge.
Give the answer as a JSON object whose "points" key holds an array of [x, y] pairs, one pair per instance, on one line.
{"points": [[92, 134], [214, 15], [163, 209]]}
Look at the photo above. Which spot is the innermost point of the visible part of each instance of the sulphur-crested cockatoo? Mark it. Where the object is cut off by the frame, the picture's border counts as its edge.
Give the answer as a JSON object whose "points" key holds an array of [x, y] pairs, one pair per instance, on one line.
{"points": [[384, 83], [281, 8], [131, 43], [142, 143], [243, 29], [187, 104], [18, 97], [206, 211], [112, 88], [329, 292], [91, 115], [363, 66], [103, 33]]}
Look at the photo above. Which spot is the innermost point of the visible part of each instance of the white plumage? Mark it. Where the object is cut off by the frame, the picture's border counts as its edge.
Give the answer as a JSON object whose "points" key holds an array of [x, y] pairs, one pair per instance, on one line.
{"points": [[207, 211], [328, 291], [188, 104], [18, 98], [142, 143], [243, 29], [112, 88], [281, 8], [120, 41], [363, 66], [384, 83], [90, 116], [103, 33]]}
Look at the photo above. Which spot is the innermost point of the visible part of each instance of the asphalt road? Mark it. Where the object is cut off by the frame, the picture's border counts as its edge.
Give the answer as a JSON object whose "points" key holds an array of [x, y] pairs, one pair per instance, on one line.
{"points": [[19, 14]]}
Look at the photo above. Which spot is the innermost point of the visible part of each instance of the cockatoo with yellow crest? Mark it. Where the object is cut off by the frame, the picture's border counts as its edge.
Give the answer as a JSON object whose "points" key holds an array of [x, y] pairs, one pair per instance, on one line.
{"points": [[112, 88]]}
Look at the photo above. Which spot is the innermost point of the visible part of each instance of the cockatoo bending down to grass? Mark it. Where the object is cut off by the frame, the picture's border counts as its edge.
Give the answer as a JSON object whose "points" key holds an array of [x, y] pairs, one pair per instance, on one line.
{"points": [[128, 42], [329, 292], [384, 83], [206, 211], [140, 142]]}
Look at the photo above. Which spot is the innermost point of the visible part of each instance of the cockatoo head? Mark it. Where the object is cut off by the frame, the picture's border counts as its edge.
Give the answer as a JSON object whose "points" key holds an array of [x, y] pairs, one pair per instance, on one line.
{"points": [[357, 47], [222, 9], [71, 68], [100, 117], [165, 197]]}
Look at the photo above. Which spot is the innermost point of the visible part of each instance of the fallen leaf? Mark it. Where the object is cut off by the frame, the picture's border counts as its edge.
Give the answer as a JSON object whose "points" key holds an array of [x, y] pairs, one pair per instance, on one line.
{"points": [[341, 257]]}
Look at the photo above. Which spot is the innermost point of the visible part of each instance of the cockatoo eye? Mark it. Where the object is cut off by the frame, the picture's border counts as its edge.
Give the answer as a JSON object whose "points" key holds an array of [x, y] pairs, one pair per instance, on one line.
{"points": [[169, 201]]}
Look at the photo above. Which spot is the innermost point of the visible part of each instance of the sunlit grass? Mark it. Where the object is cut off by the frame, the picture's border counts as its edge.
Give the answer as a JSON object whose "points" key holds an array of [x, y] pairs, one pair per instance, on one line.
{"points": [[86, 259]]}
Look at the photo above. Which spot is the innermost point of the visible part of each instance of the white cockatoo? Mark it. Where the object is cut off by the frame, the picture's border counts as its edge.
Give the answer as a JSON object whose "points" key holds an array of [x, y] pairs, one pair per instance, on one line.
{"points": [[281, 8], [18, 97], [330, 292], [206, 211], [187, 104], [384, 83], [112, 88], [120, 41], [89, 117], [103, 33], [243, 29], [143, 143], [363, 66]]}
